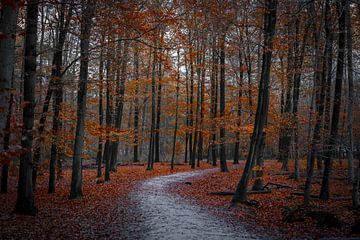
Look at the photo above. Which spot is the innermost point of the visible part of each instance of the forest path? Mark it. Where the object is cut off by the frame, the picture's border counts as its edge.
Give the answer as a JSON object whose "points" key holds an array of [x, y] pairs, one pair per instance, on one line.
{"points": [[165, 215]]}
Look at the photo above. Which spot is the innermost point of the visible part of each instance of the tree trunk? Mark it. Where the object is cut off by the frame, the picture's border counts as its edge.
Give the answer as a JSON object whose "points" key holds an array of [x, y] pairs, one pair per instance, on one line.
{"points": [[176, 110], [286, 131], [350, 102], [319, 90], [263, 101], [238, 122], [223, 165], [136, 108], [150, 163], [335, 118], [25, 199], [99, 154], [8, 20], [296, 94], [158, 108], [88, 7], [108, 120], [120, 105], [213, 110], [56, 74]]}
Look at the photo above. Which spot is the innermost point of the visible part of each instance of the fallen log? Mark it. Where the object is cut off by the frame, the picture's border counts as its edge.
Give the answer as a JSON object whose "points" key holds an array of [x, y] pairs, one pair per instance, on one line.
{"points": [[279, 185], [302, 194], [232, 193], [279, 173]]}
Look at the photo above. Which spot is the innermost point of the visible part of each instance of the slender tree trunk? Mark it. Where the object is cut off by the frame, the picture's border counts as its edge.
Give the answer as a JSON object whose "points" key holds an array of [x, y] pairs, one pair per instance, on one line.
{"points": [[99, 154], [263, 101], [335, 118], [150, 163], [350, 102], [327, 74], [88, 7], [25, 199], [191, 99], [239, 107], [296, 94], [120, 106], [8, 19], [197, 110], [286, 131], [319, 90], [202, 96], [108, 120], [223, 165], [176, 110], [136, 107], [158, 109], [56, 87], [213, 93], [56, 73]]}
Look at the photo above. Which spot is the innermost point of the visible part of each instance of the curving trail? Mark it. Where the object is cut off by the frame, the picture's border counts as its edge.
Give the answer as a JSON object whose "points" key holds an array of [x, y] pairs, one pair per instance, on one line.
{"points": [[164, 215]]}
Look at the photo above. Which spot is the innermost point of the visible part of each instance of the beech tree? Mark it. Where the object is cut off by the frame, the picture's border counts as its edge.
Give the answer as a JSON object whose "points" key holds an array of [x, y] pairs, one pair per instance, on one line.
{"points": [[88, 7], [25, 203]]}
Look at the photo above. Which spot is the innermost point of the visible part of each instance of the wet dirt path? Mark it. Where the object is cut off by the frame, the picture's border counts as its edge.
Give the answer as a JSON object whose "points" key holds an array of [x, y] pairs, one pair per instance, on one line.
{"points": [[165, 215]]}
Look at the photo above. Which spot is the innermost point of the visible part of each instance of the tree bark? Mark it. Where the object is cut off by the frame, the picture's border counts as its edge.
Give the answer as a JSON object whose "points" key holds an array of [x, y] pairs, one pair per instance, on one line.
{"points": [[25, 203], [136, 108], [239, 107], [223, 165], [319, 90], [56, 74], [120, 105], [335, 117], [8, 20], [88, 8], [99, 155], [240, 195]]}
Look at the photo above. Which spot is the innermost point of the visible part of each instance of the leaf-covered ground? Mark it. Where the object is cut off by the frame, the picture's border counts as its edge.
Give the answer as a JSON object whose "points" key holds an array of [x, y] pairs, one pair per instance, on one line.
{"points": [[269, 213], [101, 213]]}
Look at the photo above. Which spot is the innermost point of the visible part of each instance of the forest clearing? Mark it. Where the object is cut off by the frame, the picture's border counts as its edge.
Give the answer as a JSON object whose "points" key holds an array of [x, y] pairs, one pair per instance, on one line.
{"points": [[179, 119]]}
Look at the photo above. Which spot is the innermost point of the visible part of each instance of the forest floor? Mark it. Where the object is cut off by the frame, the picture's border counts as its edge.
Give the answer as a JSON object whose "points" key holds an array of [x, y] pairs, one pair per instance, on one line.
{"points": [[270, 212], [99, 214], [106, 208]]}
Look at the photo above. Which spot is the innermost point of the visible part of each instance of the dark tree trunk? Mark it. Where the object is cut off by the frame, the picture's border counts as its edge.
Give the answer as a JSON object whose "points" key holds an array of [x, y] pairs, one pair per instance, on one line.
{"points": [[296, 94], [176, 111], [56, 74], [327, 75], [150, 163], [136, 108], [25, 199], [8, 19], [213, 110], [197, 110], [223, 165], [238, 122], [120, 105], [191, 100], [88, 7], [263, 101], [158, 110], [99, 154], [108, 120], [202, 98], [335, 118], [285, 132], [319, 88]]}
